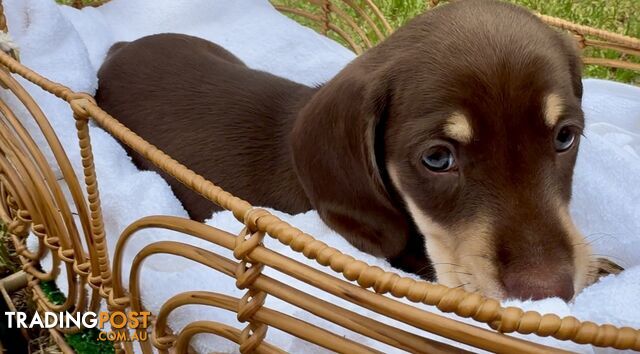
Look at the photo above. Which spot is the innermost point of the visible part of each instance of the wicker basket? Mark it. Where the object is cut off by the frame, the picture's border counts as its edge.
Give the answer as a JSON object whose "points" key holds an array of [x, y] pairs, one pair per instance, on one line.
{"points": [[32, 201]]}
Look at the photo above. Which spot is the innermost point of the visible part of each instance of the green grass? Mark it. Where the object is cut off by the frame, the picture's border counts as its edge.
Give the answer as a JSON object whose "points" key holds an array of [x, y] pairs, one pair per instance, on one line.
{"points": [[86, 341], [8, 258]]}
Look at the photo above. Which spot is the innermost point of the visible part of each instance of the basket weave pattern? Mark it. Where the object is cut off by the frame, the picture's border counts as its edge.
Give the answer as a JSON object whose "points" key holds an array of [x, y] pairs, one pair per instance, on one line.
{"points": [[32, 201]]}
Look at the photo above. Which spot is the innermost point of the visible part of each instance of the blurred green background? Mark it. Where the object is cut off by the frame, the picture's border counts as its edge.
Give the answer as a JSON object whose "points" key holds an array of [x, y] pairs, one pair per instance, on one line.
{"points": [[620, 16]]}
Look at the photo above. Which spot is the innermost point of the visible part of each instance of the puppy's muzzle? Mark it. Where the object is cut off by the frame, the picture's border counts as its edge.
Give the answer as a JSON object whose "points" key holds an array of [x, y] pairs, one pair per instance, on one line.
{"points": [[541, 261]]}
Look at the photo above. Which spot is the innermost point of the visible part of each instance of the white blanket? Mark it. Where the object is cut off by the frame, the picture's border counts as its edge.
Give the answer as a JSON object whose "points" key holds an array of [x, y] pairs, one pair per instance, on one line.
{"points": [[68, 46]]}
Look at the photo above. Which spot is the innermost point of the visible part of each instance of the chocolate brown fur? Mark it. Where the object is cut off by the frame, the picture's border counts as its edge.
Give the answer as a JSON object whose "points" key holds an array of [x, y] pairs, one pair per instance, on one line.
{"points": [[352, 148], [193, 100]]}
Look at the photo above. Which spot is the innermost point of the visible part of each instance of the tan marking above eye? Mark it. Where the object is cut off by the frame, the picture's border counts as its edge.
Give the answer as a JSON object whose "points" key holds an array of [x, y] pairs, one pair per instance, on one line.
{"points": [[458, 127], [553, 107]]}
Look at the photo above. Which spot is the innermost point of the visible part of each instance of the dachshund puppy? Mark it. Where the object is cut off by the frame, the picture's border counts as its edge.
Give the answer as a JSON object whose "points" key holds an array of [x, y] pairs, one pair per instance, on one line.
{"points": [[448, 149]]}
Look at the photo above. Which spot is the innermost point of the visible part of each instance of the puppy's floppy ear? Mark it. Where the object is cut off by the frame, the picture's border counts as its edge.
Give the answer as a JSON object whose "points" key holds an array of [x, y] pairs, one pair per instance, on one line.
{"points": [[573, 54], [336, 149]]}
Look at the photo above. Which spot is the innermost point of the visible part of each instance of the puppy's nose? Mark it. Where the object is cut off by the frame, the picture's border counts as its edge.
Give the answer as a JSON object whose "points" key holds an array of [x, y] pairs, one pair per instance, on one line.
{"points": [[538, 285]]}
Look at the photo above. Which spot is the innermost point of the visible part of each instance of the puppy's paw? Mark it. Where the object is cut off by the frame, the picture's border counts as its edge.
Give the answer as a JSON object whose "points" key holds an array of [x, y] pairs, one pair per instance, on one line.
{"points": [[604, 267]]}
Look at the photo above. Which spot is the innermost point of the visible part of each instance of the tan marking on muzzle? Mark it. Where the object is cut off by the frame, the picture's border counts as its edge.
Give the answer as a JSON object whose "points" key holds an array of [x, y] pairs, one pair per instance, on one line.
{"points": [[461, 256], [553, 107], [458, 127], [582, 253]]}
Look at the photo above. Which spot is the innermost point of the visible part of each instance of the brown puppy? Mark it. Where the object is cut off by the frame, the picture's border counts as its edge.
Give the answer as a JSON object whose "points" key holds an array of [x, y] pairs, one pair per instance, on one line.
{"points": [[459, 133]]}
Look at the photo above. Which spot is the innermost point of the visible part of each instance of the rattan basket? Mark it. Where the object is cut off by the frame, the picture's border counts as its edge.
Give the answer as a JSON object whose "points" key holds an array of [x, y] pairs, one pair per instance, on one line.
{"points": [[32, 201]]}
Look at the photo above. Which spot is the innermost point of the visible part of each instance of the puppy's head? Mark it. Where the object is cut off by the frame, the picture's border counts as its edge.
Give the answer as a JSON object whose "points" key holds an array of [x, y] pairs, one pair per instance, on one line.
{"points": [[465, 123]]}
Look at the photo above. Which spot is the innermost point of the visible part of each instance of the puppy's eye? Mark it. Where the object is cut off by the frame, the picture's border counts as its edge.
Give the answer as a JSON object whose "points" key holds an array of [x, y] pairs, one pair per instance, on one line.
{"points": [[565, 137], [439, 159]]}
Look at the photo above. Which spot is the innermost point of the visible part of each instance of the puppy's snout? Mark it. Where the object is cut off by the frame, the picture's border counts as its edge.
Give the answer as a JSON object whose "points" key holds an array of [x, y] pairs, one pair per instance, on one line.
{"points": [[538, 260], [533, 284]]}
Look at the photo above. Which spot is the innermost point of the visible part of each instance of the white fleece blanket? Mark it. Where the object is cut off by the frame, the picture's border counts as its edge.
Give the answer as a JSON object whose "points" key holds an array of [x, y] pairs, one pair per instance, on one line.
{"points": [[68, 46]]}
